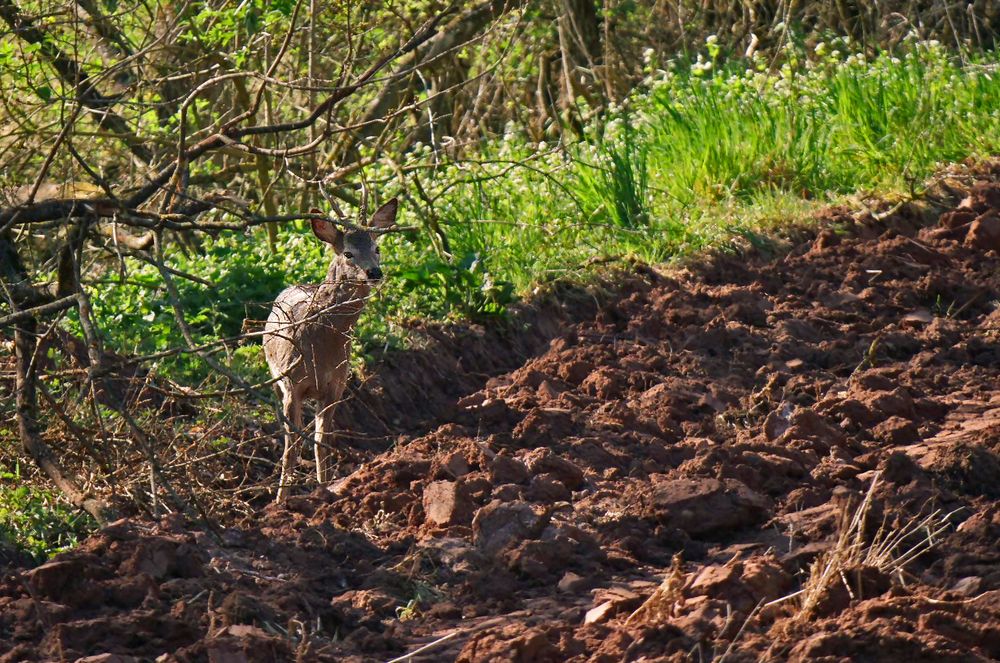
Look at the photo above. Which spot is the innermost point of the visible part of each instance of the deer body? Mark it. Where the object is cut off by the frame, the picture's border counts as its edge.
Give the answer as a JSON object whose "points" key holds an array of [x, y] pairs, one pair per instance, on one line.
{"points": [[307, 337]]}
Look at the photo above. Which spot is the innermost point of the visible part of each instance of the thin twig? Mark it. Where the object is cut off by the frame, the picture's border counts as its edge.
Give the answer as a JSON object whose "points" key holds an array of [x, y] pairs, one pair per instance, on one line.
{"points": [[424, 648]]}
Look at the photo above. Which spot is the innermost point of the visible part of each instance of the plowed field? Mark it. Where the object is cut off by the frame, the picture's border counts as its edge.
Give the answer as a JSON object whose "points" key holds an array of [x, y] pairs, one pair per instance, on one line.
{"points": [[657, 470]]}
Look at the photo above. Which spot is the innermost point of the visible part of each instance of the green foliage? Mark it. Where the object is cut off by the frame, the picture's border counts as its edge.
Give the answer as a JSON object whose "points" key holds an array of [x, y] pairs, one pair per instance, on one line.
{"points": [[464, 286], [232, 26], [244, 276], [36, 520], [703, 151], [707, 149], [827, 126]]}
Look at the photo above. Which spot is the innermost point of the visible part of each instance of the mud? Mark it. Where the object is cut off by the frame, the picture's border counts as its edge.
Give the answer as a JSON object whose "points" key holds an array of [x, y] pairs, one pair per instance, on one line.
{"points": [[653, 473]]}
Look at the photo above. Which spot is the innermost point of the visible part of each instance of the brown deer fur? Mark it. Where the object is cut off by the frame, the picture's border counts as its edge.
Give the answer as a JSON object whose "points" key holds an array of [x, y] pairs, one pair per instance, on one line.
{"points": [[307, 337]]}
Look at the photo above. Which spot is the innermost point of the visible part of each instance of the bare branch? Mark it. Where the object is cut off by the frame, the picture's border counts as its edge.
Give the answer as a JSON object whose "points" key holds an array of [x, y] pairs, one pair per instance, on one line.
{"points": [[73, 75], [36, 311]]}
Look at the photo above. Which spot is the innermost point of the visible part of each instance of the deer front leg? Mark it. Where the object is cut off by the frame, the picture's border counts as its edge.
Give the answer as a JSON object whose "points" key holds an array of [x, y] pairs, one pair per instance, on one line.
{"points": [[292, 409], [325, 433]]}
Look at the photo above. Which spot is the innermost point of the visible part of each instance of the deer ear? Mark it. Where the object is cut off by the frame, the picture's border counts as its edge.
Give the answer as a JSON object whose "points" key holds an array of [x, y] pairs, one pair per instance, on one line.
{"points": [[327, 232], [385, 216]]}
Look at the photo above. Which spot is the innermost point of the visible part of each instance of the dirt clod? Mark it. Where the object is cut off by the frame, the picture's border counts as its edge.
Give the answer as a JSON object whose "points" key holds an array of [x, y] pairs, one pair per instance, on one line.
{"points": [[447, 503], [706, 505], [498, 525]]}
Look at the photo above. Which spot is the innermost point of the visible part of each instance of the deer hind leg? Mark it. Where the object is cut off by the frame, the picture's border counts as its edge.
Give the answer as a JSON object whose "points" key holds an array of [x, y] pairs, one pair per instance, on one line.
{"points": [[325, 432], [291, 407]]}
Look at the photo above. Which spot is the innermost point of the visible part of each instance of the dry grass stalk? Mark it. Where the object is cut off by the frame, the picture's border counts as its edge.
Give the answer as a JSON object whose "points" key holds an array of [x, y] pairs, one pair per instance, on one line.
{"points": [[889, 551], [659, 607]]}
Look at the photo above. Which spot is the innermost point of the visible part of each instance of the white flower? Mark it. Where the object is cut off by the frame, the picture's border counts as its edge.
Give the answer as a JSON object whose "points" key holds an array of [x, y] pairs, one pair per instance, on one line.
{"points": [[711, 39]]}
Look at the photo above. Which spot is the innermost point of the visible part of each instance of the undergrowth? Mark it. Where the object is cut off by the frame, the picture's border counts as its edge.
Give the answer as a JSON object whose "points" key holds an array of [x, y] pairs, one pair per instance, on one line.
{"points": [[37, 521], [703, 152]]}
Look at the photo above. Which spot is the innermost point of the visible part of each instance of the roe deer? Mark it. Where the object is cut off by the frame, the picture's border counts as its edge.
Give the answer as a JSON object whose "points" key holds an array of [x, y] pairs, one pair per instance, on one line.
{"points": [[307, 337]]}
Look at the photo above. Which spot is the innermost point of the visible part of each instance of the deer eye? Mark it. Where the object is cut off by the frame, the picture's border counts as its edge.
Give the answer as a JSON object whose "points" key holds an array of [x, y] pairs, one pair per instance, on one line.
{"points": [[348, 255]]}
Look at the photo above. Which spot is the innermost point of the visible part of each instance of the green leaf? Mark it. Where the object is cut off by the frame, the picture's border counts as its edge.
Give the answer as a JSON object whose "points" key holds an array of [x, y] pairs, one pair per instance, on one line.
{"points": [[283, 7], [252, 21]]}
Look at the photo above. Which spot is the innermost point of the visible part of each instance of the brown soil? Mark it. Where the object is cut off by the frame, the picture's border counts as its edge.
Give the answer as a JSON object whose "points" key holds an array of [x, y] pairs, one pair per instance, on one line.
{"points": [[646, 476]]}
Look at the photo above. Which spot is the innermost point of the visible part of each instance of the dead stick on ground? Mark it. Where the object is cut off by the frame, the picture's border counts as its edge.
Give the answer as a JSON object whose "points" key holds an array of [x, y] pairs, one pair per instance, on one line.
{"points": [[425, 648]]}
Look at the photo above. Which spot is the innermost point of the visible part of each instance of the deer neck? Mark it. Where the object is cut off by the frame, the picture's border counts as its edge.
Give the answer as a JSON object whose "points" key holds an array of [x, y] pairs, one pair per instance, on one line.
{"points": [[343, 295]]}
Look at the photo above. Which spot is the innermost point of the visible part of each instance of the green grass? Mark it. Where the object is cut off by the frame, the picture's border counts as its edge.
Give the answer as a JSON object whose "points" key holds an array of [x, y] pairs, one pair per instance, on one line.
{"points": [[702, 152]]}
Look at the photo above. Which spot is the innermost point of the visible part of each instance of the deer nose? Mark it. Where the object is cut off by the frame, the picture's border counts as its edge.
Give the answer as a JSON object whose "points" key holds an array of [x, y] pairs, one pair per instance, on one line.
{"points": [[374, 274]]}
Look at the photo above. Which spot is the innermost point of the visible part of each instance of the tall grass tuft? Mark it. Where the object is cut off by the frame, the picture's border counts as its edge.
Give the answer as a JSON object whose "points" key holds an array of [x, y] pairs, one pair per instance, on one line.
{"points": [[616, 186]]}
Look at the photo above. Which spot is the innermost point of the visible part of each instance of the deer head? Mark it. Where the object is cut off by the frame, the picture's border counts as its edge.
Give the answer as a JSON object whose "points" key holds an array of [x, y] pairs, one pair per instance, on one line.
{"points": [[356, 246]]}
